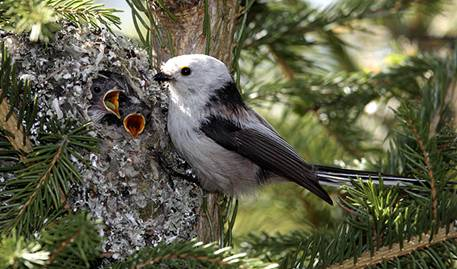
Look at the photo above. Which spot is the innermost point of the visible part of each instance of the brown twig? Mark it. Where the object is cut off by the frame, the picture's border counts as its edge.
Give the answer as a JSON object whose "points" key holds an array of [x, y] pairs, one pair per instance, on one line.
{"points": [[62, 247], [386, 253], [283, 65], [428, 164], [16, 136]]}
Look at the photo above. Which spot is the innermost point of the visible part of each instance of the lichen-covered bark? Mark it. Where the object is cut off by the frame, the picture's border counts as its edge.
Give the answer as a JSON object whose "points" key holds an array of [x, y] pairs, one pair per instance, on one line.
{"points": [[129, 184], [185, 27]]}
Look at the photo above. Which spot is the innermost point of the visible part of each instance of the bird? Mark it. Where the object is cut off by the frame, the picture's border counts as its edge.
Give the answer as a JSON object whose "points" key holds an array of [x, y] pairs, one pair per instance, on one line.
{"points": [[112, 96], [230, 147], [106, 92], [134, 112]]}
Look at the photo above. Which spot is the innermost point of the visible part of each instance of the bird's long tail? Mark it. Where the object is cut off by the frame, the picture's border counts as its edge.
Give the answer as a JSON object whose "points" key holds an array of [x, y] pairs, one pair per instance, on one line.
{"points": [[332, 176]]}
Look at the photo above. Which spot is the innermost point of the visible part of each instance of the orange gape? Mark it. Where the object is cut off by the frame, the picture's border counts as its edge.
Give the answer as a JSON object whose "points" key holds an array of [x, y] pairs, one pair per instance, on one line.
{"points": [[111, 102], [134, 124]]}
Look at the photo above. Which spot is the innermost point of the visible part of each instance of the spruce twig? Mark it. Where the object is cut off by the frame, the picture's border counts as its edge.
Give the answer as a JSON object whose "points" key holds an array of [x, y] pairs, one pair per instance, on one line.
{"points": [[287, 71], [38, 192], [62, 246], [190, 254], [428, 165], [41, 182], [389, 253], [40, 18], [85, 12]]}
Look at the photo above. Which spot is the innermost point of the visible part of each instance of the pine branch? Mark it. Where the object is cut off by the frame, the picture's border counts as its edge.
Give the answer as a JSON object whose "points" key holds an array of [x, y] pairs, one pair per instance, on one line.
{"points": [[38, 191], [379, 222], [69, 242], [337, 100], [139, 17], [84, 12], [32, 16], [296, 28], [287, 40], [72, 241], [368, 259], [63, 246], [428, 165], [40, 17], [41, 182], [190, 254]]}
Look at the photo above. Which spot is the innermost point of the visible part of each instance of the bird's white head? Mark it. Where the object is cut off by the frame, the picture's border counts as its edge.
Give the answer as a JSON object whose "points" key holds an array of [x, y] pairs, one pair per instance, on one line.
{"points": [[194, 76]]}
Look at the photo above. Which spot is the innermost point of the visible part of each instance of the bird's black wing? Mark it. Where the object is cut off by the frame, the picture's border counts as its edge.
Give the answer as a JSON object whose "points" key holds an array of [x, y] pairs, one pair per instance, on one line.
{"points": [[266, 148]]}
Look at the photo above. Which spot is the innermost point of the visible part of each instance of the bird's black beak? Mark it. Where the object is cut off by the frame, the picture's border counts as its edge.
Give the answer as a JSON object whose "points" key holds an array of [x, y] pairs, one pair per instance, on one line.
{"points": [[161, 77]]}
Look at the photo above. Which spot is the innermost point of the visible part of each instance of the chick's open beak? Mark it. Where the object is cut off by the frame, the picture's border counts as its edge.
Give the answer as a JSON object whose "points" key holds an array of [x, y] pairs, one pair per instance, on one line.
{"points": [[134, 124], [161, 77], [111, 101]]}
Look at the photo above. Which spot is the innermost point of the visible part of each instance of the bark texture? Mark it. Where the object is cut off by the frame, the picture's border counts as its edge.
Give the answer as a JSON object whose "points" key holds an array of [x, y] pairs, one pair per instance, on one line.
{"points": [[130, 184], [183, 32], [186, 27]]}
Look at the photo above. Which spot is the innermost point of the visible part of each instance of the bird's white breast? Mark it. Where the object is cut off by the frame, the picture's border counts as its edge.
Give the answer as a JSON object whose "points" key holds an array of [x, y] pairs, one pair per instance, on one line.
{"points": [[217, 168]]}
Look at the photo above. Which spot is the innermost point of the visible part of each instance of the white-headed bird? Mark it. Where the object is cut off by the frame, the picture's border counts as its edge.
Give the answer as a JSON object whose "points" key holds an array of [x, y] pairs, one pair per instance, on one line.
{"points": [[231, 148]]}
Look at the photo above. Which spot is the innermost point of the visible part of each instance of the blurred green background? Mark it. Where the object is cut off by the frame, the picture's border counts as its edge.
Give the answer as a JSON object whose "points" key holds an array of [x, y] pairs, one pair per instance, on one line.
{"points": [[335, 124]]}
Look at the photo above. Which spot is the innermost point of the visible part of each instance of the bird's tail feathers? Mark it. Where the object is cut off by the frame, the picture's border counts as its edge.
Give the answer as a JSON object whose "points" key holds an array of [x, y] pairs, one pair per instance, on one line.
{"points": [[317, 189], [332, 176]]}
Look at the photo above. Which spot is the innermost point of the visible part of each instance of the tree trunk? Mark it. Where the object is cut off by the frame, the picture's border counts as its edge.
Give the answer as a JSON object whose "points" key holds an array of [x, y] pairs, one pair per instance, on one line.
{"points": [[183, 28], [186, 27]]}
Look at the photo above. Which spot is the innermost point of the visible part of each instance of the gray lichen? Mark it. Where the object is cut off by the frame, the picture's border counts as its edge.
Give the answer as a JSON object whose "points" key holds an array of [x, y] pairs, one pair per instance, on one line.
{"points": [[129, 184]]}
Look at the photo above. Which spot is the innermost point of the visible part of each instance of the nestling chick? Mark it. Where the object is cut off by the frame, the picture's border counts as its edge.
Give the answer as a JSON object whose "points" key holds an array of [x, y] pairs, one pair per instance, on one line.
{"points": [[107, 90], [111, 95]]}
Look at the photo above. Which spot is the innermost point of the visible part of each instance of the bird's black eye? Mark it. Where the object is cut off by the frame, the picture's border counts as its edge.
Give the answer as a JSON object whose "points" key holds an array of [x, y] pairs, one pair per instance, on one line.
{"points": [[97, 89], [185, 71]]}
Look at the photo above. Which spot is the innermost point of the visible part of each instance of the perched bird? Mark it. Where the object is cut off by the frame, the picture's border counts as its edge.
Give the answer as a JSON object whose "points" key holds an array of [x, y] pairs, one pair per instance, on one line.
{"points": [[231, 148]]}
